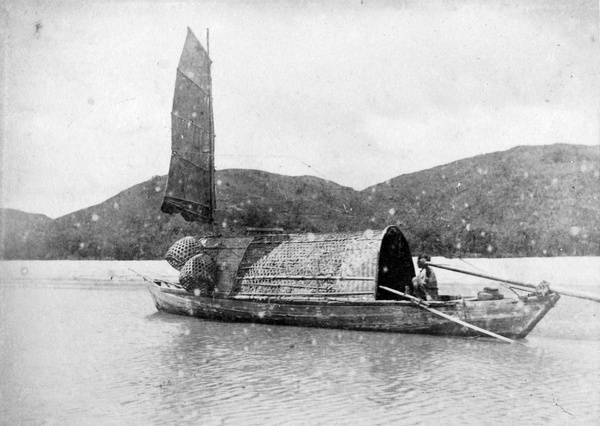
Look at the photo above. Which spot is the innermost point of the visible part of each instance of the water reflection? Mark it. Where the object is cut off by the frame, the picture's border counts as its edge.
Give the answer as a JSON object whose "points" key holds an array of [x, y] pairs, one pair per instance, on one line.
{"points": [[75, 356], [227, 370]]}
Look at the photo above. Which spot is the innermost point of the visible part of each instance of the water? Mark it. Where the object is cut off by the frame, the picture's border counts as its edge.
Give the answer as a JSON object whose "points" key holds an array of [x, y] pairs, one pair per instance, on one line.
{"points": [[91, 352]]}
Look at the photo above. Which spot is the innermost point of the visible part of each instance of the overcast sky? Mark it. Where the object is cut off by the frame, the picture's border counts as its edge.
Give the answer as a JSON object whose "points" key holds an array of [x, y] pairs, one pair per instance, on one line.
{"points": [[353, 92]]}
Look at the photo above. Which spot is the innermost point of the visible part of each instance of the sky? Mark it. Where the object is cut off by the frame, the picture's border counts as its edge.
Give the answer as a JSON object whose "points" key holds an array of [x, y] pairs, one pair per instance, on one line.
{"points": [[356, 92]]}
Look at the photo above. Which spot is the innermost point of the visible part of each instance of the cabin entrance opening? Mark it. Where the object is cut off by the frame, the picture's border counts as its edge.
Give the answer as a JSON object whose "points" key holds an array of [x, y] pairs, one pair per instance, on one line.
{"points": [[396, 269]]}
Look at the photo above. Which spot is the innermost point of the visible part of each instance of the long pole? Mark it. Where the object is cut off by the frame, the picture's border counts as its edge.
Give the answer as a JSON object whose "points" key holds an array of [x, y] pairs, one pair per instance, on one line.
{"points": [[555, 289], [211, 133], [422, 304]]}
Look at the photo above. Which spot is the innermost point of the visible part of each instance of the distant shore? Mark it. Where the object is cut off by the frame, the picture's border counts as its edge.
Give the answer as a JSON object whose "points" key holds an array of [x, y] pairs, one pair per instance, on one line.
{"points": [[82, 271], [566, 271]]}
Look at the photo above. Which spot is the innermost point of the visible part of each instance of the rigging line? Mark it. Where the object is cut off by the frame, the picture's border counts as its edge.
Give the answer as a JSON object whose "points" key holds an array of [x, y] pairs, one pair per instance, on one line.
{"points": [[316, 242], [471, 265], [463, 260], [259, 156], [280, 156], [446, 251], [479, 269], [282, 140], [483, 271], [312, 168], [511, 288]]}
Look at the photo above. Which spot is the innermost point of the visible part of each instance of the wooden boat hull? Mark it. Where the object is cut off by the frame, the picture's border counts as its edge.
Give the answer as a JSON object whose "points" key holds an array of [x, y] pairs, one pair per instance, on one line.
{"points": [[513, 318]]}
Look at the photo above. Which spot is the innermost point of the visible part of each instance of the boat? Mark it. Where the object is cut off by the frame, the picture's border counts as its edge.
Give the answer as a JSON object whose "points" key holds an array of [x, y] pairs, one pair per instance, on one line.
{"points": [[352, 280]]}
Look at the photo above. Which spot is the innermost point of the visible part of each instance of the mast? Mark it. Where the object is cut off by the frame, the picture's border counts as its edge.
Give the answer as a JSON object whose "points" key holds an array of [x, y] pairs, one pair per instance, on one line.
{"points": [[211, 124]]}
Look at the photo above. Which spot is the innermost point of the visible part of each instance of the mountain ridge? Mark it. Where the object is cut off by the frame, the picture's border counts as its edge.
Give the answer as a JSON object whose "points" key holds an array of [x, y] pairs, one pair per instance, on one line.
{"points": [[525, 201]]}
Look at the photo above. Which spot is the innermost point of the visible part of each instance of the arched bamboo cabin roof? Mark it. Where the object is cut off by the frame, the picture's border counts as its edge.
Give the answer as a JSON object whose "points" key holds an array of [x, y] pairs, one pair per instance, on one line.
{"points": [[332, 266]]}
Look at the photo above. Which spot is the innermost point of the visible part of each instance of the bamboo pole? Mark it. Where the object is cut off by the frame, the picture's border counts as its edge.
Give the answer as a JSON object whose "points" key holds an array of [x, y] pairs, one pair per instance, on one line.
{"points": [[553, 288], [321, 294], [282, 285], [423, 305], [304, 278]]}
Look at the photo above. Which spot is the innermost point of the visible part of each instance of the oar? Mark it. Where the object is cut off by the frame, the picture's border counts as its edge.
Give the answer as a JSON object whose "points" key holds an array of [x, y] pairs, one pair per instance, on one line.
{"points": [[424, 305], [555, 289]]}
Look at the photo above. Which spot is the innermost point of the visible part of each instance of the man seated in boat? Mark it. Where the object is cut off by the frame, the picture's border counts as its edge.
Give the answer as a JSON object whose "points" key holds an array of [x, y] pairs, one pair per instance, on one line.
{"points": [[424, 285]]}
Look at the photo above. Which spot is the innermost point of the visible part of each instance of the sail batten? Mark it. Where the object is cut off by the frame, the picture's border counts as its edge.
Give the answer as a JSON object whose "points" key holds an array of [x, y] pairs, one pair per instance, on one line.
{"points": [[191, 123], [199, 167], [189, 190], [180, 72]]}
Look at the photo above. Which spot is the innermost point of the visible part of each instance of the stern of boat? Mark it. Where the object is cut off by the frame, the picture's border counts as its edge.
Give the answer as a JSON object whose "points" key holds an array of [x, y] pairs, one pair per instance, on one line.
{"points": [[514, 318], [548, 302]]}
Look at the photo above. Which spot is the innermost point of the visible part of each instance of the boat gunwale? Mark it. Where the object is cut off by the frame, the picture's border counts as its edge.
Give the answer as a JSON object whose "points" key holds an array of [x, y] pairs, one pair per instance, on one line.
{"points": [[179, 292], [396, 316]]}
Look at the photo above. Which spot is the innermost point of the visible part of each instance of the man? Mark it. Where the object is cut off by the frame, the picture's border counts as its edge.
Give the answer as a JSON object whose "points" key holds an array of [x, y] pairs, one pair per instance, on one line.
{"points": [[424, 285]]}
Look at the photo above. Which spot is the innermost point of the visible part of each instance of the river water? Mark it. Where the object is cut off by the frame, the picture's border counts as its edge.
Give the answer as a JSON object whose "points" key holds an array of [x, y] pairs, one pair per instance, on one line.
{"points": [[82, 343]]}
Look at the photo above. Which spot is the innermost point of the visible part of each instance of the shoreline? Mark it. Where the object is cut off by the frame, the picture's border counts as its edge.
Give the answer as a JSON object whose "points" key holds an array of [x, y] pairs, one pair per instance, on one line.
{"points": [[564, 271]]}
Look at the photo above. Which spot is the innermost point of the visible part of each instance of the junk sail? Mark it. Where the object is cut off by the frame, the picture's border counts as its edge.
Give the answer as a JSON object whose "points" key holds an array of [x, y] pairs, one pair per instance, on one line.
{"points": [[190, 185]]}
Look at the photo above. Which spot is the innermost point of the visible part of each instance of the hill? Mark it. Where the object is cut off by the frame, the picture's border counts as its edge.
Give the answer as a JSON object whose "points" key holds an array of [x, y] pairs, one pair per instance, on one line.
{"points": [[131, 226], [527, 201], [20, 233]]}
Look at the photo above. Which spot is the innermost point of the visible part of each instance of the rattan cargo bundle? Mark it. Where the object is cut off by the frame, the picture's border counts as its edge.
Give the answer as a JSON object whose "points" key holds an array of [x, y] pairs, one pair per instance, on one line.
{"points": [[198, 275], [182, 251]]}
